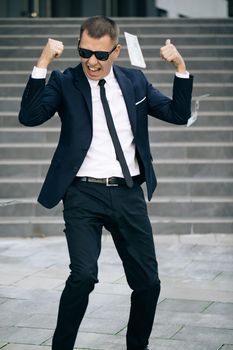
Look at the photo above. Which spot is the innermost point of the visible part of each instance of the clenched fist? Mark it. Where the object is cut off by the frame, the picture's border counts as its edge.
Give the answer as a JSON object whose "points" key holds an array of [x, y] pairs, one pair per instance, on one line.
{"points": [[169, 53], [53, 49]]}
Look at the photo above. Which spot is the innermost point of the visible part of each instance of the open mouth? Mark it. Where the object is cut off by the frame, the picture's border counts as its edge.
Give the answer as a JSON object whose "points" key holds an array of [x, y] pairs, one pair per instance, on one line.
{"points": [[93, 69]]}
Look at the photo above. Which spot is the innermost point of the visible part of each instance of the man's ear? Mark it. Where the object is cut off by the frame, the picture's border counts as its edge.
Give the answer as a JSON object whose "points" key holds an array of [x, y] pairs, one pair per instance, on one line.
{"points": [[117, 50]]}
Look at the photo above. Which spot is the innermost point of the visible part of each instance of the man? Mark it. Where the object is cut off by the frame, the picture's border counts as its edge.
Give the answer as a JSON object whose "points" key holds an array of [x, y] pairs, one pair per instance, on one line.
{"points": [[102, 158]]}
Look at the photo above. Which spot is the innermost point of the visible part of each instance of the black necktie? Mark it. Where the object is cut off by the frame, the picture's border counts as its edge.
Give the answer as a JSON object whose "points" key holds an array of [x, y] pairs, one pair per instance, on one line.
{"points": [[113, 133]]}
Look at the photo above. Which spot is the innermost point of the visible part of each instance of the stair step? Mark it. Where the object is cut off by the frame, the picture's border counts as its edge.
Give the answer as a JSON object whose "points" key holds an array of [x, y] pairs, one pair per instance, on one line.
{"points": [[169, 225], [192, 53], [205, 169], [197, 134], [201, 150], [136, 28], [10, 119], [22, 151], [169, 168], [190, 150], [212, 103], [30, 227], [202, 189], [154, 63], [154, 219], [166, 186], [199, 89], [136, 20], [149, 39], [221, 89], [155, 76], [176, 207], [49, 226], [200, 76], [157, 134], [205, 118], [191, 206], [214, 118]]}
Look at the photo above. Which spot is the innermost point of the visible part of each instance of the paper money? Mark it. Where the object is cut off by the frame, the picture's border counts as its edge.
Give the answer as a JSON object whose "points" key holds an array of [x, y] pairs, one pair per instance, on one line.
{"points": [[194, 115], [134, 50]]}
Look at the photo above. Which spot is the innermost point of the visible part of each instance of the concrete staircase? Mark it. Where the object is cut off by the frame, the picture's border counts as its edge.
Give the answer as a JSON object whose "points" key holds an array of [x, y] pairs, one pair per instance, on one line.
{"points": [[194, 165]]}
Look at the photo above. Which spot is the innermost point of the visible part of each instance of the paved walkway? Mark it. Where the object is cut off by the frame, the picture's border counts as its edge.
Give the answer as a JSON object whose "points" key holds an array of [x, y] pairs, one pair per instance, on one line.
{"points": [[195, 311]]}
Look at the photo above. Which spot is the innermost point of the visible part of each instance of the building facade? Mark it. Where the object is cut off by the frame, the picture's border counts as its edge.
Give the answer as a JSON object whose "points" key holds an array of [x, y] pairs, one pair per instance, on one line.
{"points": [[194, 9], [116, 8], [77, 8]]}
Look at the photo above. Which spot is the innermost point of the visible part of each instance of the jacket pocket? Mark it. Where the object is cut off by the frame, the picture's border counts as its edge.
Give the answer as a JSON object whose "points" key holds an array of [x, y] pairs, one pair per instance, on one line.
{"points": [[140, 101]]}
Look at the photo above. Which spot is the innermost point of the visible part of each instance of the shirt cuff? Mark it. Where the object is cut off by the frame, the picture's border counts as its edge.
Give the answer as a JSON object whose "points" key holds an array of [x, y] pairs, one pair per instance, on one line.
{"points": [[39, 73], [183, 75]]}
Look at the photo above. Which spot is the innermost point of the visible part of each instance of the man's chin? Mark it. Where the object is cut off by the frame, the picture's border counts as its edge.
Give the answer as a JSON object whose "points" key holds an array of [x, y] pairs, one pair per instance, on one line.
{"points": [[93, 74]]}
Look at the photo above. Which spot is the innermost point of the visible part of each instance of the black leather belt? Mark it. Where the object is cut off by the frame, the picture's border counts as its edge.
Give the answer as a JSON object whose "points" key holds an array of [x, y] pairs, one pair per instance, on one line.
{"points": [[109, 181]]}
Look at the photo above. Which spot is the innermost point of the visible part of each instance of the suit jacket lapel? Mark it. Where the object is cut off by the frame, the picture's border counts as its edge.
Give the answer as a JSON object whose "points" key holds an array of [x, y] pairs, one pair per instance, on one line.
{"points": [[128, 94], [83, 86]]}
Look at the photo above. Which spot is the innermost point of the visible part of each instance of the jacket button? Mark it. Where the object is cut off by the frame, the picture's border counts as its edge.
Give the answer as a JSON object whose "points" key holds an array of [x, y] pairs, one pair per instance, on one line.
{"points": [[75, 168]]}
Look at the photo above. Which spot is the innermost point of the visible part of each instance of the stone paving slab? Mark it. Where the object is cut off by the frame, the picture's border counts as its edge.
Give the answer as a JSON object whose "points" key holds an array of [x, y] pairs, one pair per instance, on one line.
{"points": [[196, 319], [24, 335], [42, 321], [24, 347], [170, 344], [2, 344], [199, 290], [220, 308], [205, 335], [164, 331], [183, 305], [195, 310]]}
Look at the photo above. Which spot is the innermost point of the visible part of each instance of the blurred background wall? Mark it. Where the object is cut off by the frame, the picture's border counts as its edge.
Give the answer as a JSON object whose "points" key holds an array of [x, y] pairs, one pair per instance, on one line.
{"points": [[117, 8], [193, 9]]}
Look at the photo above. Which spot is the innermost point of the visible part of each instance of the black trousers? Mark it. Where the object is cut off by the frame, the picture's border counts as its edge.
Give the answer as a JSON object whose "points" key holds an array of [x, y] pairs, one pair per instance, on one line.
{"points": [[88, 207]]}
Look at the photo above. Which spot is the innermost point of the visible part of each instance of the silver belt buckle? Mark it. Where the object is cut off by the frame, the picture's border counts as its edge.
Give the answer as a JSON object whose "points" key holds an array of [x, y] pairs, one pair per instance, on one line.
{"points": [[108, 184]]}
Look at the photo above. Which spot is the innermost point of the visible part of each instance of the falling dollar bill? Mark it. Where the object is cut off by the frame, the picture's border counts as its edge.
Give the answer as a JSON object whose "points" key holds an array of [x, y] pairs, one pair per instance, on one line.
{"points": [[134, 50], [194, 115]]}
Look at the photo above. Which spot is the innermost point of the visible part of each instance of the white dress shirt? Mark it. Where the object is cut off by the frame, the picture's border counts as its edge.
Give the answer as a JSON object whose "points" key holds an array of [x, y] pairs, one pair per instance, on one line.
{"points": [[101, 159]]}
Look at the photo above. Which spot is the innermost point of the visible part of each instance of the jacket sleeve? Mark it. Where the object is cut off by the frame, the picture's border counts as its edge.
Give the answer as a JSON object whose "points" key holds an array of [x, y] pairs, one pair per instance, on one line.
{"points": [[40, 101], [176, 110]]}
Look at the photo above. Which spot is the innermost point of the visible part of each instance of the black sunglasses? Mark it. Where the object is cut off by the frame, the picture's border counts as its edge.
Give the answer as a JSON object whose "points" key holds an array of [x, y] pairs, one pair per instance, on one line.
{"points": [[100, 55]]}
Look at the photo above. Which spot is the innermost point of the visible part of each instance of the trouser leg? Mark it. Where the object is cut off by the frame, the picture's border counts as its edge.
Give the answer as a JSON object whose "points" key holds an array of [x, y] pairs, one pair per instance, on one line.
{"points": [[72, 307], [132, 234], [83, 234]]}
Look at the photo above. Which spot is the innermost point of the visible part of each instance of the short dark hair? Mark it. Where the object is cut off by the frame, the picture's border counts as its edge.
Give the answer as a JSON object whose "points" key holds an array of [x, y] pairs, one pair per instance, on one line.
{"points": [[99, 26]]}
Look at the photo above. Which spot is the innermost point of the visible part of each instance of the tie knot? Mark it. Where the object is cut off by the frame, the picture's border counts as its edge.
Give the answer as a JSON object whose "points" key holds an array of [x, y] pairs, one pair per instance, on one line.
{"points": [[102, 82]]}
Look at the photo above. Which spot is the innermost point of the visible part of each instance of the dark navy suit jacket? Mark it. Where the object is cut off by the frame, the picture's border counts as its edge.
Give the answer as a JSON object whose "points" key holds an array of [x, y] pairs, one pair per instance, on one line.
{"points": [[69, 94]]}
